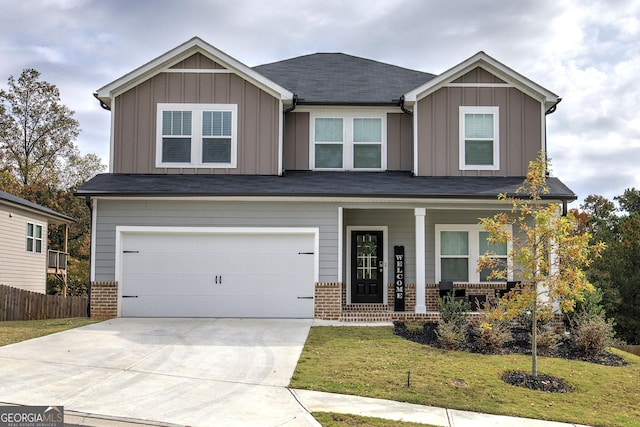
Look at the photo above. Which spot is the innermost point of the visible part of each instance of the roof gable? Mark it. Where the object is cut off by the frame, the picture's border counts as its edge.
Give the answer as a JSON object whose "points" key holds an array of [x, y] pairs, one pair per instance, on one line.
{"points": [[489, 64], [341, 79], [57, 217], [180, 53]]}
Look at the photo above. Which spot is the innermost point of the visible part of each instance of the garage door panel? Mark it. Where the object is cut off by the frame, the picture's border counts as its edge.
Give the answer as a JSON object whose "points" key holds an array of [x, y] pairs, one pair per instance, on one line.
{"points": [[218, 275]]}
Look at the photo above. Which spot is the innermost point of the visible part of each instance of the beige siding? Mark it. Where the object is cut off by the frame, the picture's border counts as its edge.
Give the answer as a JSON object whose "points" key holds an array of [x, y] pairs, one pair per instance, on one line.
{"points": [[478, 75], [399, 140], [19, 268], [197, 61], [135, 120], [296, 141], [438, 131]]}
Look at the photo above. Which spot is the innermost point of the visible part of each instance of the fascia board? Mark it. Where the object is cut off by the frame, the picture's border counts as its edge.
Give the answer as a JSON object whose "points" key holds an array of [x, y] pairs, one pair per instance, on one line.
{"points": [[488, 63], [177, 54]]}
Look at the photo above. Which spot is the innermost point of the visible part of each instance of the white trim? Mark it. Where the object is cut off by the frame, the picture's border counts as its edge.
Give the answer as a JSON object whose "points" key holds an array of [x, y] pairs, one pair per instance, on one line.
{"points": [[385, 257], [478, 85], [44, 229], [348, 116], [94, 224], [112, 136], [199, 70], [474, 249], [134, 229], [280, 139], [491, 65], [340, 278], [415, 139], [181, 52], [421, 261], [196, 135], [495, 111]]}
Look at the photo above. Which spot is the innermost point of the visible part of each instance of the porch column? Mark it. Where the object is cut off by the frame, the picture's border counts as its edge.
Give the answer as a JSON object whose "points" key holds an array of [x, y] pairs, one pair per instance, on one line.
{"points": [[420, 214]]}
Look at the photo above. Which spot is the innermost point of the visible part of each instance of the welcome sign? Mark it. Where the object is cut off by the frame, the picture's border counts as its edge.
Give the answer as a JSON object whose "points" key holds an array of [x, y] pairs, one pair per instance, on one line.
{"points": [[398, 255]]}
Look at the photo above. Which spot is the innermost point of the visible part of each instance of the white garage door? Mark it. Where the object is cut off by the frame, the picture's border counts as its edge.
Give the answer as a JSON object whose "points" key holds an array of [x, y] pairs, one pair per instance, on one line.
{"points": [[217, 274]]}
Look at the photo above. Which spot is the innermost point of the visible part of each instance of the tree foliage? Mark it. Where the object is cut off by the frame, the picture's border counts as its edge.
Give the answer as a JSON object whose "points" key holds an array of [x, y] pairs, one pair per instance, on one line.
{"points": [[617, 273], [37, 131], [548, 254], [40, 162]]}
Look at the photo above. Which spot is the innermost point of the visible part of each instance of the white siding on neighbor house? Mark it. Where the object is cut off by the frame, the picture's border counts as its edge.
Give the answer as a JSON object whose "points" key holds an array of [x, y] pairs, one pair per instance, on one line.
{"points": [[19, 268], [185, 213]]}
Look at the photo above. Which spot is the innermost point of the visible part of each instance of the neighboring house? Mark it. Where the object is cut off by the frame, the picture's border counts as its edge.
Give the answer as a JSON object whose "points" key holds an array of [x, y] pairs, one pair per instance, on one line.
{"points": [[25, 259], [283, 190]]}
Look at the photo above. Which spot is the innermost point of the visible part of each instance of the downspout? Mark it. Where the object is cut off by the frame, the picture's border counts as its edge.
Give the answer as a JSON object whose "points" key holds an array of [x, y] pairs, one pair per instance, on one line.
{"points": [[404, 110], [87, 200], [102, 104], [281, 172]]}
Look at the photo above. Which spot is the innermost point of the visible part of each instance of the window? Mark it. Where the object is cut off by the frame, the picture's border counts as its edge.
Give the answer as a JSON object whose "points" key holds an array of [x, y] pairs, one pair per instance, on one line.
{"points": [[34, 238], [196, 135], [348, 141], [458, 248], [479, 141]]}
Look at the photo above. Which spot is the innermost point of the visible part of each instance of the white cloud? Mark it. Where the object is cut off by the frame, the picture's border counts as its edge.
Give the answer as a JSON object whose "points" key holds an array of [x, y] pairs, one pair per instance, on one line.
{"points": [[586, 51]]}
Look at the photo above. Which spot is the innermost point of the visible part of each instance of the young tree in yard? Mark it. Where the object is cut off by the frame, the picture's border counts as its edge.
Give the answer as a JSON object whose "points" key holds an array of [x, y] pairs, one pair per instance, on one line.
{"points": [[548, 254]]}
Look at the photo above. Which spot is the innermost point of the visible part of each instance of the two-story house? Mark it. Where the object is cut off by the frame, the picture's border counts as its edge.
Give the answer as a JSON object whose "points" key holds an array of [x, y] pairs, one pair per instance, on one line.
{"points": [[308, 187]]}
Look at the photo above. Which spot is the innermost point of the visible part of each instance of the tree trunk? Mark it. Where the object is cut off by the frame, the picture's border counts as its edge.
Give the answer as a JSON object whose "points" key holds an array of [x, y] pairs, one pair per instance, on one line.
{"points": [[534, 334]]}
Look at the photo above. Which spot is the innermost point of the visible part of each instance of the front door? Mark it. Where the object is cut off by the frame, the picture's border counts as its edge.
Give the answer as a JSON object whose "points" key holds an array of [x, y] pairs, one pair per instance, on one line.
{"points": [[367, 267]]}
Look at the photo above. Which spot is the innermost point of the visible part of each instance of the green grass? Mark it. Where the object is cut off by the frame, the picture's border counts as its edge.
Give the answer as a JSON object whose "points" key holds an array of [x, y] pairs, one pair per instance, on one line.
{"points": [[330, 419], [21, 330], [371, 361]]}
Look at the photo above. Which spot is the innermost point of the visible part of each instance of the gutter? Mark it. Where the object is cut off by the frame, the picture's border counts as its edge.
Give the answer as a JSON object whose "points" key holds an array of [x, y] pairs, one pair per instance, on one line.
{"points": [[293, 106], [553, 108], [102, 104]]}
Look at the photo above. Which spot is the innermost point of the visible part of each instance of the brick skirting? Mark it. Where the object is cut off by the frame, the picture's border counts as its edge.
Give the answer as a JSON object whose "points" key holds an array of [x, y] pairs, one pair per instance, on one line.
{"points": [[104, 300]]}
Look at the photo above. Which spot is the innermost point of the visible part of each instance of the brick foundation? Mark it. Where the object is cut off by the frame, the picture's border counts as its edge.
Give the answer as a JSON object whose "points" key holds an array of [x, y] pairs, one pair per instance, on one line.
{"points": [[104, 300], [328, 301]]}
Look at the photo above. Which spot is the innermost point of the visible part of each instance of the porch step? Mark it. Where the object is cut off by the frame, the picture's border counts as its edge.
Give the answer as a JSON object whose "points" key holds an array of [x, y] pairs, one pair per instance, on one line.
{"points": [[365, 308], [387, 316]]}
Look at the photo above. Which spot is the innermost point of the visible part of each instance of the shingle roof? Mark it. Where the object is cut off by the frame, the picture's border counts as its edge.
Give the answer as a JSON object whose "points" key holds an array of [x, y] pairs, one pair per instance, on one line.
{"points": [[337, 78], [314, 184], [10, 198]]}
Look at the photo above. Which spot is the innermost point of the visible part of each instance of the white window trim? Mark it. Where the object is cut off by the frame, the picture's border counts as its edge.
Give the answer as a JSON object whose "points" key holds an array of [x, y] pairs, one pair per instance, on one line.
{"points": [[196, 134], [41, 239], [496, 137], [347, 138], [474, 250]]}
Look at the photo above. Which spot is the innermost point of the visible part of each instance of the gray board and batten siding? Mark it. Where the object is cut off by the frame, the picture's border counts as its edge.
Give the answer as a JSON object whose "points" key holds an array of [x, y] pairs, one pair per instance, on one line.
{"points": [[520, 126], [135, 119], [399, 219]]}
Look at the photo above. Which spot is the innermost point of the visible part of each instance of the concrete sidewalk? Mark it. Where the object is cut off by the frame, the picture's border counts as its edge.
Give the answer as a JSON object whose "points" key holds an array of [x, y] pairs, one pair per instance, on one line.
{"points": [[315, 401]]}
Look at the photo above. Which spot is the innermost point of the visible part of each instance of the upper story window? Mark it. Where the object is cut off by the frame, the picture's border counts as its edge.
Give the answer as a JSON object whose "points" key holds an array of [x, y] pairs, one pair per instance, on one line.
{"points": [[458, 249], [348, 141], [479, 138], [196, 135], [34, 238]]}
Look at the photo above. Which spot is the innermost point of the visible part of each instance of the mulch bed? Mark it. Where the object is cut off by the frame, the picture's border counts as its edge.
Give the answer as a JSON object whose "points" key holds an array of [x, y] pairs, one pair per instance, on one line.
{"points": [[520, 345]]}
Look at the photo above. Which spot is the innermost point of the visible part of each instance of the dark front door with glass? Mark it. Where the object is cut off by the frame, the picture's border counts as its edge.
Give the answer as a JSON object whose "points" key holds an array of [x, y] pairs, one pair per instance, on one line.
{"points": [[367, 267]]}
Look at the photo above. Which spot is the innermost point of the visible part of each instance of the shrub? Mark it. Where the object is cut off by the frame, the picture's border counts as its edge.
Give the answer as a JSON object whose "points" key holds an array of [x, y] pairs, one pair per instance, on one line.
{"points": [[547, 338], [451, 336], [452, 329], [591, 333], [492, 337]]}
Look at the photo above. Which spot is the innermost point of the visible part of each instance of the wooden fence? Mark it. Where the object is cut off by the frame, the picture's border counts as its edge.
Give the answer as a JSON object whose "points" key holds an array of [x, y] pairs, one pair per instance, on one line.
{"points": [[18, 304], [633, 349]]}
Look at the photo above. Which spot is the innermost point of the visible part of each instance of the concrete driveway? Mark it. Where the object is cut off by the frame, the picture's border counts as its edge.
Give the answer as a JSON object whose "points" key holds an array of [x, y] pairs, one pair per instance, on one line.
{"points": [[195, 372]]}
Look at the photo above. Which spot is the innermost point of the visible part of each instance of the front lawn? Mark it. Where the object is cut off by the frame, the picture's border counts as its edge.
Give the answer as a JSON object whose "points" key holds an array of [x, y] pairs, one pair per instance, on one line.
{"points": [[21, 330], [373, 362]]}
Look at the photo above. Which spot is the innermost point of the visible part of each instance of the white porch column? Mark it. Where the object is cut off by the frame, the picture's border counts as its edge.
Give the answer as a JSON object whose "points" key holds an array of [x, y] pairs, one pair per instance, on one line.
{"points": [[420, 214]]}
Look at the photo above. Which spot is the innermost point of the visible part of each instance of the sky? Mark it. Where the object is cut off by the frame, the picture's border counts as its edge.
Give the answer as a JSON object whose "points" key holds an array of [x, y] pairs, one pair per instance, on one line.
{"points": [[586, 51]]}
